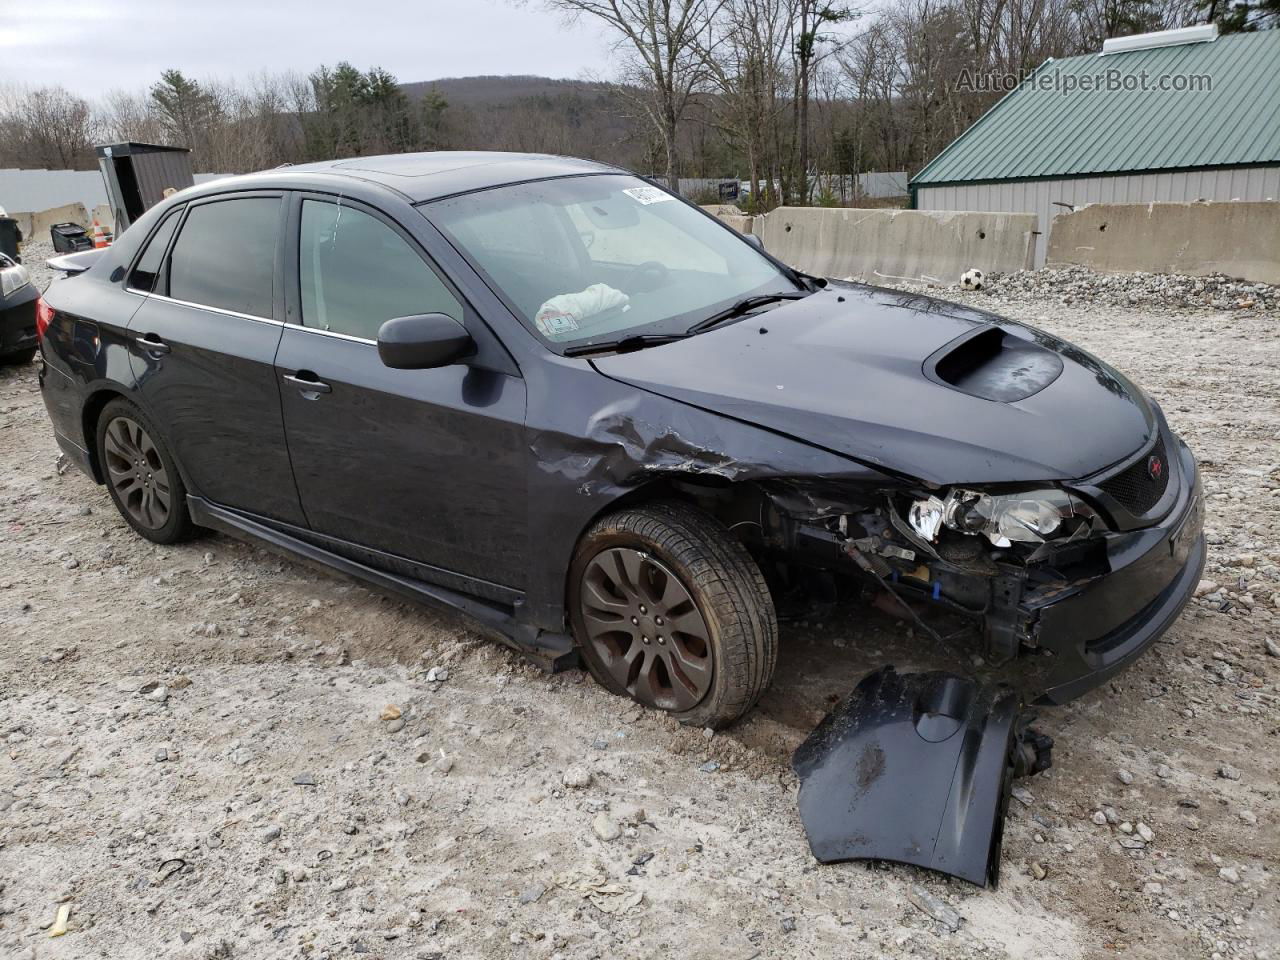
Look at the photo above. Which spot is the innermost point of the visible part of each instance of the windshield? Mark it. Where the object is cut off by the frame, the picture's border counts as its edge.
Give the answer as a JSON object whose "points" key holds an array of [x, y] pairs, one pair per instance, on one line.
{"points": [[600, 258]]}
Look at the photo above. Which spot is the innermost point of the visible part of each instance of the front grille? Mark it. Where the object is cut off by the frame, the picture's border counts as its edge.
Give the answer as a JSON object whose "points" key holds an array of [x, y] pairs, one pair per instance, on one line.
{"points": [[1134, 488]]}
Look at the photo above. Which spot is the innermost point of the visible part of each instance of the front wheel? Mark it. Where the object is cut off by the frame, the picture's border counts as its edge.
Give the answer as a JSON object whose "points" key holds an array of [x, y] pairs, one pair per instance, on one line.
{"points": [[670, 610]]}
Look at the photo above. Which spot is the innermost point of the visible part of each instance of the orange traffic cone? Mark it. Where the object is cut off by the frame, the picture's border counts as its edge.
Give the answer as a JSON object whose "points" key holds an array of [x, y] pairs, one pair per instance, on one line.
{"points": [[99, 236]]}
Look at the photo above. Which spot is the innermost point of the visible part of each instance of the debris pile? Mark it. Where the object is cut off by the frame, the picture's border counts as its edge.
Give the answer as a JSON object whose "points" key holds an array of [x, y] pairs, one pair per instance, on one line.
{"points": [[1070, 285]]}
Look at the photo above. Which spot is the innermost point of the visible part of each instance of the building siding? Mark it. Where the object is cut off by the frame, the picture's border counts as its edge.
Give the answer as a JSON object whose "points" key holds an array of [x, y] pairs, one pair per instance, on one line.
{"points": [[1037, 131], [1039, 196]]}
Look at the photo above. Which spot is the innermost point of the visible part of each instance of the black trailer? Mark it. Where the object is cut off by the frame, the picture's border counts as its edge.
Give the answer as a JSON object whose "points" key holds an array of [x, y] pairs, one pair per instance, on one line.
{"points": [[137, 174]]}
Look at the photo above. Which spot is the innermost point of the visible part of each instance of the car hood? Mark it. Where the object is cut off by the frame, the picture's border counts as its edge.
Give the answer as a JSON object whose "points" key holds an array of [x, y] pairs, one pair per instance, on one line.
{"points": [[909, 383]]}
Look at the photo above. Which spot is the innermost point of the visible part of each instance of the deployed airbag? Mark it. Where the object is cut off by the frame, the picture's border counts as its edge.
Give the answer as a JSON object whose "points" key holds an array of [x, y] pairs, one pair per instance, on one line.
{"points": [[916, 768]]}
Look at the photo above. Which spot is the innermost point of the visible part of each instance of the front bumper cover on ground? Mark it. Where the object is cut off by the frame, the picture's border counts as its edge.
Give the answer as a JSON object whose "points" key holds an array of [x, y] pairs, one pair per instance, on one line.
{"points": [[916, 768]]}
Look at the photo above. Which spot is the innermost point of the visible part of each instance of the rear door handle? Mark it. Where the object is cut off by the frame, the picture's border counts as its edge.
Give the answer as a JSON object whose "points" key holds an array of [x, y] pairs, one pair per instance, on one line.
{"points": [[153, 345], [305, 381]]}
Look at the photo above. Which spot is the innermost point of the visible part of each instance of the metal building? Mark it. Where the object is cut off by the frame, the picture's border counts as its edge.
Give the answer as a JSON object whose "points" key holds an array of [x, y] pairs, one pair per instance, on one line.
{"points": [[1173, 116], [136, 176]]}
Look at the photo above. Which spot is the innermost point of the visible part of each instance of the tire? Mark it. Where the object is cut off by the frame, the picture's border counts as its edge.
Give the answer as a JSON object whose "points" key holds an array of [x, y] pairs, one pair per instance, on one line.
{"points": [[154, 499], [19, 358], [631, 557]]}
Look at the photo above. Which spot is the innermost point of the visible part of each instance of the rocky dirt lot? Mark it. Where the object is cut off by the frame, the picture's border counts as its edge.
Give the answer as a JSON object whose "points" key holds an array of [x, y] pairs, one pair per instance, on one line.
{"points": [[212, 752]]}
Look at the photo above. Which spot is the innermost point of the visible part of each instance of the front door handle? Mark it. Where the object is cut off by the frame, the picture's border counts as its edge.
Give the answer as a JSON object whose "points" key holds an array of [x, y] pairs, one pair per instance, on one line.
{"points": [[305, 381], [153, 345]]}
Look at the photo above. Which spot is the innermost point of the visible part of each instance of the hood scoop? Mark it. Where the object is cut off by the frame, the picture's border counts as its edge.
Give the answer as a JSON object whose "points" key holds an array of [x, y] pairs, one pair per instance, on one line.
{"points": [[991, 363]]}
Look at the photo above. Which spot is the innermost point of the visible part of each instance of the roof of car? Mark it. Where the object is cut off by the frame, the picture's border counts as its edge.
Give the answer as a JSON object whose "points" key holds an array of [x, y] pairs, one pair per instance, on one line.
{"points": [[429, 176]]}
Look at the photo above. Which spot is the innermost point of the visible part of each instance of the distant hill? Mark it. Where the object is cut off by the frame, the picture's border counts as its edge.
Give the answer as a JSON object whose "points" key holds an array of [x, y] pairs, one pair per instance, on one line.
{"points": [[470, 91], [539, 115]]}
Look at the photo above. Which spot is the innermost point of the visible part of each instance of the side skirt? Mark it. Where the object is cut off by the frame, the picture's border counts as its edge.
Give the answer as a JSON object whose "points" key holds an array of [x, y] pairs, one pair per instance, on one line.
{"points": [[550, 651]]}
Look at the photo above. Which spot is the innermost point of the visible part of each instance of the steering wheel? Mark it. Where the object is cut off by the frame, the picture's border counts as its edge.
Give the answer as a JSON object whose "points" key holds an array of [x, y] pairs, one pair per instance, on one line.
{"points": [[649, 275]]}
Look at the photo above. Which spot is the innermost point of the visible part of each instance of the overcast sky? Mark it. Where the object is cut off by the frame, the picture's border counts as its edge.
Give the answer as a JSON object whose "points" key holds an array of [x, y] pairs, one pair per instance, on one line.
{"points": [[91, 46]]}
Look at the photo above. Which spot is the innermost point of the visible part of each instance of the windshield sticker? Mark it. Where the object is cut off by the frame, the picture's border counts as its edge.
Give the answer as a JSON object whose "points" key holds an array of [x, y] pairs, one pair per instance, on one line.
{"points": [[647, 195], [552, 324]]}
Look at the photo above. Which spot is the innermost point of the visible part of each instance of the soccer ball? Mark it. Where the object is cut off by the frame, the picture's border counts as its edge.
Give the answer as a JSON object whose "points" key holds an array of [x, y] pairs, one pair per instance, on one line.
{"points": [[973, 280]]}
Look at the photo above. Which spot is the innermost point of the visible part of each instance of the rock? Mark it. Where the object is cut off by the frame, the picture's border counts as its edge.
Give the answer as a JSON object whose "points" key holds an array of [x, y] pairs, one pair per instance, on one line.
{"points": [[437, 675], [788, 924], [1229, 874], [709, 767], [444, 765], [1099, 818], [600, 743], [159, 695], [1164, 772], [1272, 648], [1151, 888], [533, 893], [241, 755], [1124, 776], [1038, 870], [396, 725], [1023, 796], [1249, 817], [338, 885], [390, 712], [1206, 587], [1228, 772], [304, 780], [1145, 832], [934, 907], [576, 778], [271, 833], [605, 828]]}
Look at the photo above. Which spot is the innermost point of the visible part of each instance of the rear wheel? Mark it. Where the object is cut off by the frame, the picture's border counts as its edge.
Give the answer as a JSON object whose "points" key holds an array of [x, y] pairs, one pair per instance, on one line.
{"points": [[141, 475], [670, 610]]}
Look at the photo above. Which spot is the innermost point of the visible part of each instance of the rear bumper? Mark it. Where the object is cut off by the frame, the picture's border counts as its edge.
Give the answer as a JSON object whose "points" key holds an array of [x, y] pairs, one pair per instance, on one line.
{"points": [[18, 320], [1099, 627]]}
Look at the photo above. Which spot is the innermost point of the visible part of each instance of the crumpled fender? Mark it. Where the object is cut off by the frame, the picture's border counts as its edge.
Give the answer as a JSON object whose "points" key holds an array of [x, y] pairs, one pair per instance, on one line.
{"points": [[914, 768]]}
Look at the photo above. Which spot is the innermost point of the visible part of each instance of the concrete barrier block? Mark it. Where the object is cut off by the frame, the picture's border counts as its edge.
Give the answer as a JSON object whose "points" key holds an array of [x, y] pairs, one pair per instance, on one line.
{"points": [[876, 244], [1238, 238], [102, 213], [67, 213], [731, 215]]}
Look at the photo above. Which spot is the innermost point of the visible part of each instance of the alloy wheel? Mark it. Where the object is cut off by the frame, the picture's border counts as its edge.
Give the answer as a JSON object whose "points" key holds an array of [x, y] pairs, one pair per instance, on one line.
{"points": [[136, 473], [646, 629]]}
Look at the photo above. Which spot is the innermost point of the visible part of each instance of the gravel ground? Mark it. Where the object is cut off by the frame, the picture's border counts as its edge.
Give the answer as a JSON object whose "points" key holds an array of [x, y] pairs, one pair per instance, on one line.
{"points": [[213, 752]]}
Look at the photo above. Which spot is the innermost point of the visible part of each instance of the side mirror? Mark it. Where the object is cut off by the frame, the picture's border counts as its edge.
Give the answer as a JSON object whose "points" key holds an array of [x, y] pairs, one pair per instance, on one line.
{"points": [[423, 341], [752, 239]]}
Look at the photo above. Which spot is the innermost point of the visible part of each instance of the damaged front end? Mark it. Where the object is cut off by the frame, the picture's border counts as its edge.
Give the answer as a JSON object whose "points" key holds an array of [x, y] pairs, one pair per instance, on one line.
{"points": [[917, 768], [1047, 578]]}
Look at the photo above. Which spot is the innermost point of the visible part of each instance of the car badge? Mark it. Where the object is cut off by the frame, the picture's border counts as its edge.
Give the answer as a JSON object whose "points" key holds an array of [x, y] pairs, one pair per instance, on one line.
{"points": [[1155, 468]]}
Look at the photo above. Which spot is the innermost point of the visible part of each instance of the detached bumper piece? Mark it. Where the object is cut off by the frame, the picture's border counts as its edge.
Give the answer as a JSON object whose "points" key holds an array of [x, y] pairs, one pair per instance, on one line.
{"points": [[917, 768]]}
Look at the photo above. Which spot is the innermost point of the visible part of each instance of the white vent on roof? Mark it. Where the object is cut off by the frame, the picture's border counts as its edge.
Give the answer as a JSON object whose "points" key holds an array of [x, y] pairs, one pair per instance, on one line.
{"points": [[1204, 33]]}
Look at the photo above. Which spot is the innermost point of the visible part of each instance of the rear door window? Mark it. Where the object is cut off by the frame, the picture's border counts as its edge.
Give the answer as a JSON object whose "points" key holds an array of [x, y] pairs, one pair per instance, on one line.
{"points": [[225, 256], [148, 267], [356, 273]]}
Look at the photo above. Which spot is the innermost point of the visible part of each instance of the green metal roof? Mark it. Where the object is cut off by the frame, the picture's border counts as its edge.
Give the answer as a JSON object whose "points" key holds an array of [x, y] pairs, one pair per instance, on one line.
{"points": [[1038, 130]]}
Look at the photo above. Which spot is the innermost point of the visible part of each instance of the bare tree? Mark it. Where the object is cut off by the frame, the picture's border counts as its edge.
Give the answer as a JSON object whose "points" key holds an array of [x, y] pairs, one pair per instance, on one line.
{"points": [[47, 127], [665, 44]]}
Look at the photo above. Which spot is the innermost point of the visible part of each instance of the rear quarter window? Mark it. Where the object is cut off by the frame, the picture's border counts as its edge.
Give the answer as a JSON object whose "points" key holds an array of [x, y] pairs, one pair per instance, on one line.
{"points": [[147, 268], [225, 256]]}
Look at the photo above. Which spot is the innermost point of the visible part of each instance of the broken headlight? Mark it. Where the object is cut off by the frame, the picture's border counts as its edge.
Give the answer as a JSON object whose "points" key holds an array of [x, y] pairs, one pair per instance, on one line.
{"points": [[1033, 516]]}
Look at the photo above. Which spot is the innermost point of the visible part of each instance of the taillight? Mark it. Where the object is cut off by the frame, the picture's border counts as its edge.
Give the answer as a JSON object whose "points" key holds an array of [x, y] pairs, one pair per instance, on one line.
{"points": [[44, 317]]}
